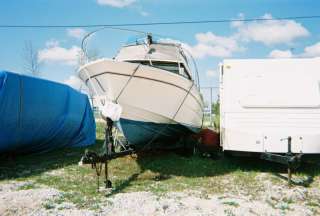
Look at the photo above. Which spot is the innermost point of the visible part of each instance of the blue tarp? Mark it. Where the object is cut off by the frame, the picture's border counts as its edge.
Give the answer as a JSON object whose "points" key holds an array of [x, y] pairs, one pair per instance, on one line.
{"points": [[38, 115]]}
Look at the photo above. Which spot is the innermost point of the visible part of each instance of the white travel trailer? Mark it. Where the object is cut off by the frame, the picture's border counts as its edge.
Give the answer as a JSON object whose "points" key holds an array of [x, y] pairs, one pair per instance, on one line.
{"points": [[265, 101]]}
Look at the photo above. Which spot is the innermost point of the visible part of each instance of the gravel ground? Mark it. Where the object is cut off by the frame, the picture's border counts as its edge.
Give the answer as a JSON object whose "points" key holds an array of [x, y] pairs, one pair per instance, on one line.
{"points": [[25, 198]]}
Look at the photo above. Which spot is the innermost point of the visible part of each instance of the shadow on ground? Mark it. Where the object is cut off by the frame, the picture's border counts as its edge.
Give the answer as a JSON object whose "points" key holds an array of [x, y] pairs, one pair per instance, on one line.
{"points": [[198, 166], [166, 164], [21, 166]]}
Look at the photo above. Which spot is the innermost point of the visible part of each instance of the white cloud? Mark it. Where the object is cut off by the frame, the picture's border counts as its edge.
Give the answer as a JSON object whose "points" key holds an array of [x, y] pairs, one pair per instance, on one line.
{"points": [[75, 82], [211, 73], [144, 13], [116, 3], [52, 43], [280, 54], [270, 31], [53, 53], [312, 51], [78, 33], [238, 23], [209, 44], [309, 51]]}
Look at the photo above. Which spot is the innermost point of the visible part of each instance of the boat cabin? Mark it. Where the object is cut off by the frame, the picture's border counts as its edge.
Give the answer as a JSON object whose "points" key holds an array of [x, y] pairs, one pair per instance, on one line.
{"points": [[166, 56]]}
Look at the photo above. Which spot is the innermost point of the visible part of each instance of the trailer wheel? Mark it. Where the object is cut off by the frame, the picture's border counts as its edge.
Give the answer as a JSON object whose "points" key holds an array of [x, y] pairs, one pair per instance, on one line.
{"points": [[108, 184]]}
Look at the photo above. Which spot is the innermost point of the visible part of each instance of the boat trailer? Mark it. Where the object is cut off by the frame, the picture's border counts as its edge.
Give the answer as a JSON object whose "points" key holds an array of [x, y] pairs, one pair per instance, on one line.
{"points": [[205, 141]]}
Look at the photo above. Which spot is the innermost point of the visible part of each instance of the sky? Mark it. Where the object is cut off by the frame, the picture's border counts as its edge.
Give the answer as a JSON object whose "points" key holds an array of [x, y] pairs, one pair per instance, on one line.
{"points": [[57, 49]]}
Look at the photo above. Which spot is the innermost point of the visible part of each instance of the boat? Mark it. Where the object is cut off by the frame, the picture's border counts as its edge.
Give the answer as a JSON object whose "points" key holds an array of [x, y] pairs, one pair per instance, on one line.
{"points": [[39, 115], [158, 93]]}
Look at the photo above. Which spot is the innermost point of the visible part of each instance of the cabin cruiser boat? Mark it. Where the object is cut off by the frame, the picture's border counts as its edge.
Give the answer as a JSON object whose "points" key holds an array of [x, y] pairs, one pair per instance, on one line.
{"points": [[153, 84]]}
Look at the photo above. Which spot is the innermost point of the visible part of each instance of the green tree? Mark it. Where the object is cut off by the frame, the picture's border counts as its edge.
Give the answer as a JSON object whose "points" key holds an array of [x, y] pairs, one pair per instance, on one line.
{"points": [[216, 112]]}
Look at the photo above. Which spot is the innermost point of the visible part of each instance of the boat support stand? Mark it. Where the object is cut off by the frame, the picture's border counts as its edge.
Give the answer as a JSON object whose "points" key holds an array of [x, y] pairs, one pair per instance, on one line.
{"points": [[98, 159], [292, 161]]}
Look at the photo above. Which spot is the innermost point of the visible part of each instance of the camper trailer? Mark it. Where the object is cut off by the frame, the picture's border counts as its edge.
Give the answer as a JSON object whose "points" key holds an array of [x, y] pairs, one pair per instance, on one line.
{"points": [[267, 102]]}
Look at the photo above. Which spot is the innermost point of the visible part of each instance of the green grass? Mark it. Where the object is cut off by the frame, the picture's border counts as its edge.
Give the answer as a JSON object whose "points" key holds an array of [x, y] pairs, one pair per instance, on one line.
{"points": [[213, 124], [156, 172], [27, 186], [313, 204], [231, 203]]}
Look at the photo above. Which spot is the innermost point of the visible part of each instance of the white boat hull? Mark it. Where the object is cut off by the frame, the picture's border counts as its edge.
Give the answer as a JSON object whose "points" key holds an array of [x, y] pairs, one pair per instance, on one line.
{"points": [[146, 94]]}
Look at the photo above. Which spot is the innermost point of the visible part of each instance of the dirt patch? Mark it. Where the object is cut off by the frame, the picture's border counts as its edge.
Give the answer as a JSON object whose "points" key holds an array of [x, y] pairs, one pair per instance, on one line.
{"points": [[27, 198], [16, 201], [18, 198], [190, 203]]}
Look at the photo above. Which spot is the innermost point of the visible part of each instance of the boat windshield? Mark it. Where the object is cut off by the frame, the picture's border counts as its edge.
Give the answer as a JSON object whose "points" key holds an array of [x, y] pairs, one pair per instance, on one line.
{"points": [[172, 67], [135, 40]]}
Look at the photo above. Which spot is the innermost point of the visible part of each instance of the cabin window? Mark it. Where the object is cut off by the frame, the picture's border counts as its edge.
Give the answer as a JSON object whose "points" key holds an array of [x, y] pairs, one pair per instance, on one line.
{"points": [[172, 67], [183, 71], [168, 66]]}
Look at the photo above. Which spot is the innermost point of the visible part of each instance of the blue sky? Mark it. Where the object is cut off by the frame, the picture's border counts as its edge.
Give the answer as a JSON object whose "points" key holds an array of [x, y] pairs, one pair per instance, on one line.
{"points": [[210, 43]]}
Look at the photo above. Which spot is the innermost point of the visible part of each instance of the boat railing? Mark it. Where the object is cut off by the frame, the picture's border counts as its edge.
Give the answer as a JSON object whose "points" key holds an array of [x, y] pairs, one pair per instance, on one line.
{"points": [[85, 58], [195, 71]]}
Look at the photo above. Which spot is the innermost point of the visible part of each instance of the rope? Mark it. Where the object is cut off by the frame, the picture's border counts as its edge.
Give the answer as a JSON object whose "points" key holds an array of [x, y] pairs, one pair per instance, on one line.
{"points": [[20, 107], [130, 78], [92, 84], [98, 169]]}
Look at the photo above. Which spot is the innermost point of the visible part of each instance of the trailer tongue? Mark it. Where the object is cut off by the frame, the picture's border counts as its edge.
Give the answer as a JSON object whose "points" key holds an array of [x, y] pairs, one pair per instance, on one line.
{"points": [[113, 147]]}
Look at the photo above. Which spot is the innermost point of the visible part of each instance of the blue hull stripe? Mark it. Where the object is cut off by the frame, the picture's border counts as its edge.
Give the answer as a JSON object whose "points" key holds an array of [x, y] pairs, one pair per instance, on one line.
{"points": [[139, 133]]}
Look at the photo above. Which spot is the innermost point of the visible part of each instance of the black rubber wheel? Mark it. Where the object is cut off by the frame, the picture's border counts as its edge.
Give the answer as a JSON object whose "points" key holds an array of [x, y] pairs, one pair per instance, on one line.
{"points": [[108, 184]]}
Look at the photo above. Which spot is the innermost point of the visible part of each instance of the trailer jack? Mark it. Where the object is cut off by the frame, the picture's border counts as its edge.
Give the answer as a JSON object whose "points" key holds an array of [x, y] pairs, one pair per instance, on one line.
{"points": [[292, 161], [97, 160]]}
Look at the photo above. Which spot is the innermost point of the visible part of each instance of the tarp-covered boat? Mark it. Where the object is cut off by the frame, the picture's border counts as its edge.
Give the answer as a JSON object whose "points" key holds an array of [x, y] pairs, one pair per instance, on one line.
{"points": [[38, 115]]}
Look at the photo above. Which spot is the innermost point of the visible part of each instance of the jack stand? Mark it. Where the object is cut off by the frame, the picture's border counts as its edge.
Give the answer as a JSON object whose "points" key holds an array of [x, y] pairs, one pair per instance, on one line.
{"points": [[292, 161], [107, 182], [289, 155], [109, 149], [98, 159]]}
